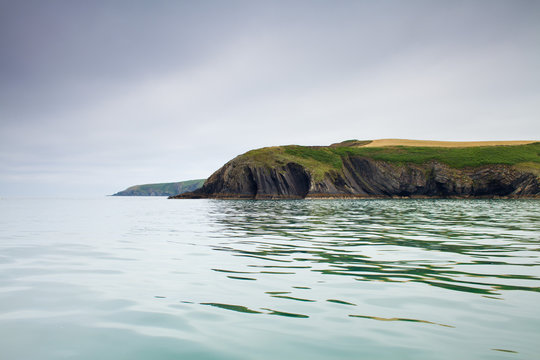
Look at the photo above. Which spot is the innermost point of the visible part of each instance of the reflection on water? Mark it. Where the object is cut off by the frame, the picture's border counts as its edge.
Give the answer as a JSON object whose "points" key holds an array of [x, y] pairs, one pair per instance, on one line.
{"points": [[455, 245], [136, 278], [397, 319]]}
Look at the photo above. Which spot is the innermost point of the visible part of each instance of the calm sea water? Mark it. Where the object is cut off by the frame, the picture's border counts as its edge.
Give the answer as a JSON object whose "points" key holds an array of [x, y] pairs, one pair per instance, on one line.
{"points": [[151, 278]]}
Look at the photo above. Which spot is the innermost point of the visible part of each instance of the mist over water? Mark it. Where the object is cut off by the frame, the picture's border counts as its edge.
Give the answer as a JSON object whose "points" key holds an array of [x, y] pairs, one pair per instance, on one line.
{"points": [[140, 278]]}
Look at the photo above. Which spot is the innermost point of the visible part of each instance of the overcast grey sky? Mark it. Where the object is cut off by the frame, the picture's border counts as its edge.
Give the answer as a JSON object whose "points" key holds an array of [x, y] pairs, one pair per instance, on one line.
{"points": [[99, 95]]}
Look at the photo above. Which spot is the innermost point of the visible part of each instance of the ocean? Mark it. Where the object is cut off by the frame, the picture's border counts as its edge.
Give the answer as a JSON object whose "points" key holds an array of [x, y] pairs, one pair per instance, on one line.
{"points": [[152, 278]]}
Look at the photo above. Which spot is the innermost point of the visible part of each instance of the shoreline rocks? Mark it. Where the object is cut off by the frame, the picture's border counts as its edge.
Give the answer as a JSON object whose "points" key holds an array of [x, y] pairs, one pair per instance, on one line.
{"points": [[365, 178]]}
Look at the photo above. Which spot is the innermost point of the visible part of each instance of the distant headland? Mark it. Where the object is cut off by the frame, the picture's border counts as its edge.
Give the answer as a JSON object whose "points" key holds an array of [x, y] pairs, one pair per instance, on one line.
{"points": [[386, 168], [163, 189]]}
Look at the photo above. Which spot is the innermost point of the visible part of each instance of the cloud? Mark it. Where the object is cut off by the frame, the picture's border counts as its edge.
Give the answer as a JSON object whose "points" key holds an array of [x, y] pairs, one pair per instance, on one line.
{"points": [[100, 101]]}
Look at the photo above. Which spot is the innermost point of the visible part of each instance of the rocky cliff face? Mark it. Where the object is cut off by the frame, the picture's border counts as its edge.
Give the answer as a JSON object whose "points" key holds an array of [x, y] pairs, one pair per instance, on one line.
{"points": [[364, 177]]}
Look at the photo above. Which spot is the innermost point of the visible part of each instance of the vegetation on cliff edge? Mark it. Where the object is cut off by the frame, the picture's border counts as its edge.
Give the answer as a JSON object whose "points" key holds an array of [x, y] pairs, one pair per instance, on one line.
{"points": [[320, 160]]}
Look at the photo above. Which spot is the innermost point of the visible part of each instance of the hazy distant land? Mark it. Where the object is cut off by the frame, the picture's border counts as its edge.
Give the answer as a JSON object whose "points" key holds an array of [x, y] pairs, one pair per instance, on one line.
{"points": [[162, 189]]}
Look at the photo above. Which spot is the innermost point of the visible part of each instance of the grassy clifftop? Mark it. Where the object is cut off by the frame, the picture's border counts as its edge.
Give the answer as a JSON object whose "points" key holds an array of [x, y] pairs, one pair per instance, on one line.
{"points": [[322, 159]]}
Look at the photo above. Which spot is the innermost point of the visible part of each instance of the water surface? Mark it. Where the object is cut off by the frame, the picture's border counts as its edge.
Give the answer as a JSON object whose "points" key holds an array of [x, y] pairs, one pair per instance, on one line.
{"points": [[140, 278]]}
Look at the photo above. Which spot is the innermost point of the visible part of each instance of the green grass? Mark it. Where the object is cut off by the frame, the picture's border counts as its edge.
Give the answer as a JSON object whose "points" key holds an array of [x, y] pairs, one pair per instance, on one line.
{"points": [[317, 160], [320, 160], [353, 142], [454, 157], [323, 155]]}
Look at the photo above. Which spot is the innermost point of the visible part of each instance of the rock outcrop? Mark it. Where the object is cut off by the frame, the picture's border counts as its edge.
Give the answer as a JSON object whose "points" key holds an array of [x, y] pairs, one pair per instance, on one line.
{"points": [[364, 177]]}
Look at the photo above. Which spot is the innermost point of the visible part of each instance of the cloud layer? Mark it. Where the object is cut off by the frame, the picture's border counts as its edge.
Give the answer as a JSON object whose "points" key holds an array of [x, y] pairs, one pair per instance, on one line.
{"points": [[96, 97]]}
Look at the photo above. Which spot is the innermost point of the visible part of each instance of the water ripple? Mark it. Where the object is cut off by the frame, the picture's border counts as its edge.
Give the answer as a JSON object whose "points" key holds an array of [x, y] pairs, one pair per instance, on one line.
{"points": [[418, 240], [153, 278]]}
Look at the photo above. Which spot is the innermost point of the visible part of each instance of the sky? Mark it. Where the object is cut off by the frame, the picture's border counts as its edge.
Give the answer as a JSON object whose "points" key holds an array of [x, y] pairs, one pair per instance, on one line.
{"points": [[96, 96]]}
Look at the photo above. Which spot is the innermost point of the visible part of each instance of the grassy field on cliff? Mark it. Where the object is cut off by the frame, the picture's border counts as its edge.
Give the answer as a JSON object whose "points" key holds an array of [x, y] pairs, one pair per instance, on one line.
{"points": [[321, 159], [455, 157]]}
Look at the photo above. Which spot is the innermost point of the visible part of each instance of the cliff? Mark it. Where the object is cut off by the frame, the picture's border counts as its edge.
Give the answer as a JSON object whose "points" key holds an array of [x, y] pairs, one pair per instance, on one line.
{"points": [[163, 189], [354, 170]]}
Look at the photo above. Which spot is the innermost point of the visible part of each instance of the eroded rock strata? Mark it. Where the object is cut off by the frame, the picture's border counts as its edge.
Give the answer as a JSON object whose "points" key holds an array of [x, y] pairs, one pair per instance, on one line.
{"points": [[364, 177]]}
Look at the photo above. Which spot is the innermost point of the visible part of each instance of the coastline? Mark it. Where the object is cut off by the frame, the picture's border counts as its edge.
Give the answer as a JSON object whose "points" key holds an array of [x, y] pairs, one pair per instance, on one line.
{"points": [[353, 197]]}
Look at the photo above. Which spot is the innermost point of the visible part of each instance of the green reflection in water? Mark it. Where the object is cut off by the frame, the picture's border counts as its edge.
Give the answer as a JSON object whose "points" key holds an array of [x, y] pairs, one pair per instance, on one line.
{"points": [[340, 302], [237, 308], [241, 278], [506, 351], [243, 309], [286, 314], [234, 272], [292, 298], [398, 319], [445, 243], [432, 262]]}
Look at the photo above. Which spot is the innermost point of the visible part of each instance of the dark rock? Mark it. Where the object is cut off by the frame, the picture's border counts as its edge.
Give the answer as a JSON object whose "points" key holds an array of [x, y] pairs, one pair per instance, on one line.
{"points": [[362, 177]]}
